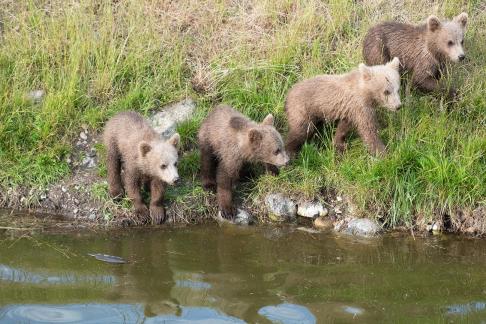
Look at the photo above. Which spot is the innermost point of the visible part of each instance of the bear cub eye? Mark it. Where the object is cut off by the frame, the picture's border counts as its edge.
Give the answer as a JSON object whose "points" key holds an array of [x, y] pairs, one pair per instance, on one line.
{"points": [[386, 93], [277, 152], [163, 166], [450, 43], [462, 42]]}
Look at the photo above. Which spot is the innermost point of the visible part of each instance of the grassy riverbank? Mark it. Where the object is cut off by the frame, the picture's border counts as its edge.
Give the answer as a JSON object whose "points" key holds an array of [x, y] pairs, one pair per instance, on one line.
{"points": [[95, 58]]}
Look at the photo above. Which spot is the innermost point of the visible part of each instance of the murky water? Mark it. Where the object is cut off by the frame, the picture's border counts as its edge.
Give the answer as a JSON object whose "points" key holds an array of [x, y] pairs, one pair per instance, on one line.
{"points": [[212, 274]]}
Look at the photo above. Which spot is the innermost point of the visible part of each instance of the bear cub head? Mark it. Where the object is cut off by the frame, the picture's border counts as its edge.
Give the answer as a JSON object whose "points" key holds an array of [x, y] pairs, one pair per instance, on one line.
{"points": [[445, 40], [158, 158], [261, 142], [382, 83]]}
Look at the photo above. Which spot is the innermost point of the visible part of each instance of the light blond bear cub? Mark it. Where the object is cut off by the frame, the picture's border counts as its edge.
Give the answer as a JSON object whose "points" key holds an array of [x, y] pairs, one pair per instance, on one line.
{"points": [[422, 49], [147, 160], [350, 99]]}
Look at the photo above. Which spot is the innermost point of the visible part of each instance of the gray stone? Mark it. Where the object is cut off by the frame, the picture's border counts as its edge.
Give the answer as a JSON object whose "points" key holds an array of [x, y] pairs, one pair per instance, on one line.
{"points": [[83, 136], [434, 228], [311, 210], [242, 217], [165, 121], [280, 207], [89, 162], [362, 227], [36, 96]]}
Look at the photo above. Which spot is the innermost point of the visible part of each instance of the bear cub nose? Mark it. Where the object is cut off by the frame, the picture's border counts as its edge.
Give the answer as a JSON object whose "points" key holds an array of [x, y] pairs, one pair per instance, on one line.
{"points": [[462, 57]]}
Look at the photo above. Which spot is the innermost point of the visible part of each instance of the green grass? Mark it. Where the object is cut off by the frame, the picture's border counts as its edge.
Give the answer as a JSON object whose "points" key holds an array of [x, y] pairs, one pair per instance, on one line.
{"points": [[97, 58]]}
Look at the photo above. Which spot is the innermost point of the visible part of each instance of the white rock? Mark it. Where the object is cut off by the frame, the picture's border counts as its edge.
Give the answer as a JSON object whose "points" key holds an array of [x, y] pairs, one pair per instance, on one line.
{"points": [[92, 216], [242, 217], [165, 121], [362, 227], [280, 206], [311, 209], [36, 96], [89, 162], [83, 136]]}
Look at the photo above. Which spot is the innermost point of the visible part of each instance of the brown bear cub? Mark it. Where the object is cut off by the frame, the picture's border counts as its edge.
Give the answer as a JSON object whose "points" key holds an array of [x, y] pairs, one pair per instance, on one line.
{"points": [[147, 161], [349, 98], [228, 139], [422, 49]]}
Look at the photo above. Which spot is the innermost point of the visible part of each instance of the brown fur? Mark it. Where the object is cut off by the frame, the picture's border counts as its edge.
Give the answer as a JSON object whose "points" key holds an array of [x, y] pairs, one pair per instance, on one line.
{"points": [[131, 142], [227, 139], [422, 49], [350, 99]]}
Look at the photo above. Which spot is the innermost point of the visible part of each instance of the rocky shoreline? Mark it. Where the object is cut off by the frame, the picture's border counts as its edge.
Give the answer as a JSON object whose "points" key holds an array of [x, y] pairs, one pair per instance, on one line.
{"points": [[81, 196]]}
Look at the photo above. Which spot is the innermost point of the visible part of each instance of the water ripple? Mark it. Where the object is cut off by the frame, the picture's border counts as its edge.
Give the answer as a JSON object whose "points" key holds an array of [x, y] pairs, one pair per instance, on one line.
{"points": [[288, 314], [19, 275], [108, 313]]}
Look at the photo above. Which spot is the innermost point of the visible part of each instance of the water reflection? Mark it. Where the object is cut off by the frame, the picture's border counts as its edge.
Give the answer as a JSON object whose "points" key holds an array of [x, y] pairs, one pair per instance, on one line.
{"points": [[22, 276], [108, 313], [288, 314], [355, 311], [464, 309], [235, 274]]}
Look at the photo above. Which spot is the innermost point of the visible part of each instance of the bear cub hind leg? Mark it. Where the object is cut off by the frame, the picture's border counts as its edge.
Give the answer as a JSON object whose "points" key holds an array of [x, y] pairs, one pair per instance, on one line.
{"points": [[115, 186], [209, 164]]}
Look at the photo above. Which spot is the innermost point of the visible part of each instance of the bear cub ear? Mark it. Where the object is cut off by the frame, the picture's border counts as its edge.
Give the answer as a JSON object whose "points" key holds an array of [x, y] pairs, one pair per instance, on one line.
{"points": [[461, 19], [174, 140], [144, 148], [255, 136], [365, 71], [237, 123], [433, 23], [395, 63], [268, 121]]}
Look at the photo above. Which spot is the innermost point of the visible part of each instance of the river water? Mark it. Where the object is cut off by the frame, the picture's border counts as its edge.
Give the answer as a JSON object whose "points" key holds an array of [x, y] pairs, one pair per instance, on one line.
{"points": [[230, 274]]}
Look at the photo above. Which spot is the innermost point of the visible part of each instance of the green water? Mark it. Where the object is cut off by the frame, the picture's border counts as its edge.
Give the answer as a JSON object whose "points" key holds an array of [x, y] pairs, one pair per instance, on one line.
{"points": [[232, 274]]}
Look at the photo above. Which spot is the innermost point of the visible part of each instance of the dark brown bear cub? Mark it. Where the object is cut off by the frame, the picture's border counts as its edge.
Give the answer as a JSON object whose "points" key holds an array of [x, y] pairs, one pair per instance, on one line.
{"points": [[147, 161], [227, 139], [423, 50]]}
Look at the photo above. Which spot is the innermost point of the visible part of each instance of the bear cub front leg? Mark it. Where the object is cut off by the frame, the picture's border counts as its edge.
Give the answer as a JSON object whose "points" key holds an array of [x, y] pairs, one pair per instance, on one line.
{"points": [[157, 210]]}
